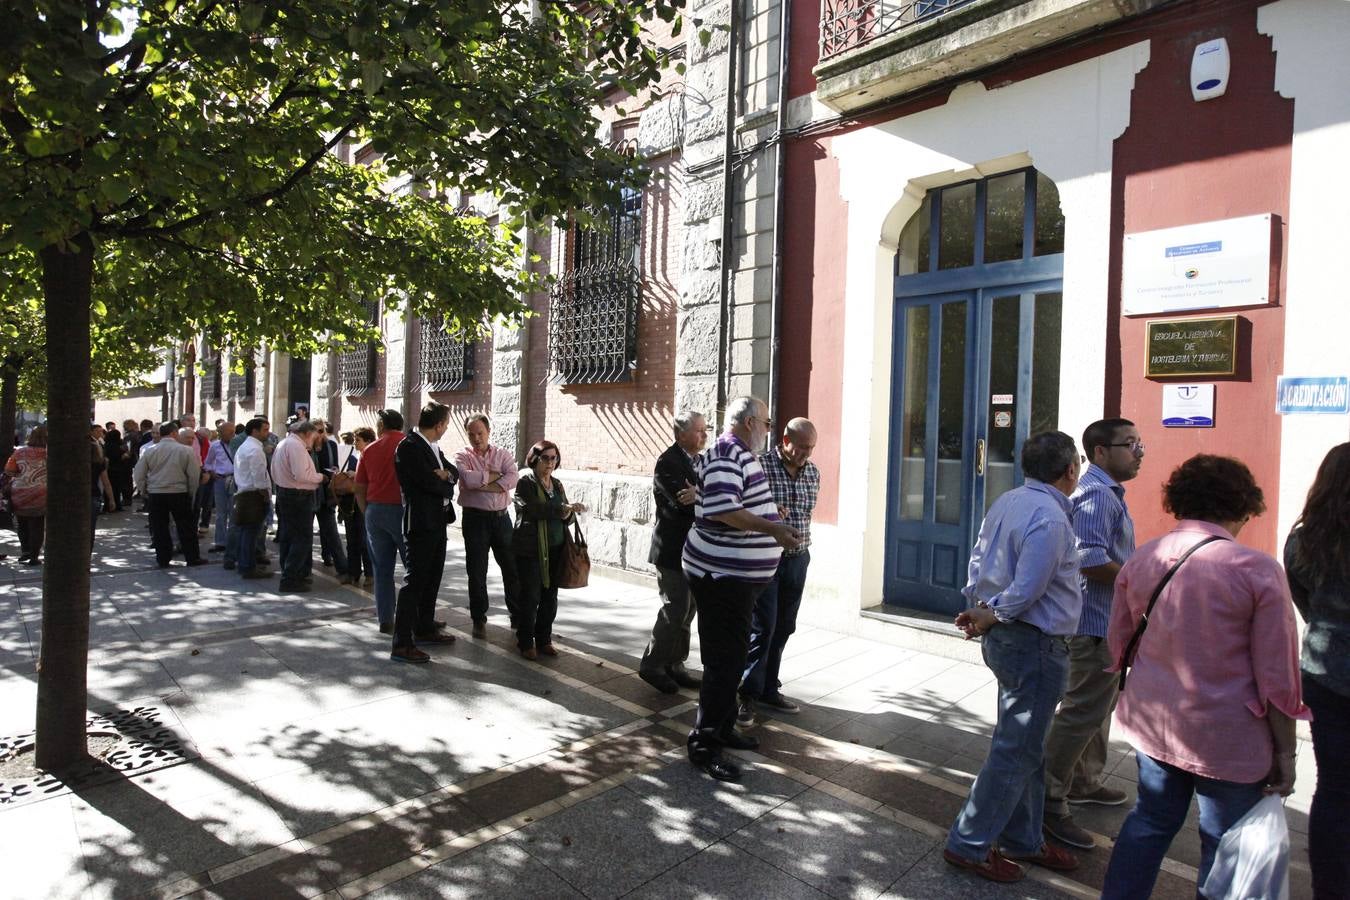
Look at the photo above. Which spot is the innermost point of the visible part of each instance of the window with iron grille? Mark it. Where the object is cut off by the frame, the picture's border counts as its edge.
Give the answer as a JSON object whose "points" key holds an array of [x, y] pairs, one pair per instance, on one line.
{"points": [[447, 360], [593, 307], [356, 368], [244, 384], [211, 377]]}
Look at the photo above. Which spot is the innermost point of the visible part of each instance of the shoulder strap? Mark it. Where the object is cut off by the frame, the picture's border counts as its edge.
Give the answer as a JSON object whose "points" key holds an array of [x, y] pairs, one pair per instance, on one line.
{"points": [[1127, 658]]}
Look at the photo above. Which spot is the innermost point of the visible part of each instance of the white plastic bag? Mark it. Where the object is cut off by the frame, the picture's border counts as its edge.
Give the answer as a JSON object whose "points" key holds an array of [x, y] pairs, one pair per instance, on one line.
{"points": [[1252, 862]]}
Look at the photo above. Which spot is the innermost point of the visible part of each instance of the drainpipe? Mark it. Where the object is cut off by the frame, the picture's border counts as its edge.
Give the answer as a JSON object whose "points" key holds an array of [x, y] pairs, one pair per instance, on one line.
{"points": [[728, 200], [779, 167]]}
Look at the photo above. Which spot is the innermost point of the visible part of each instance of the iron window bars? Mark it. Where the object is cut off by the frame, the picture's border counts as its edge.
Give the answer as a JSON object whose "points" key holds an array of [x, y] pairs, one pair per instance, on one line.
{"points": [[356, 368], [244, 384], [447, 361], [593, 306], [210, 389], [849, 24]]}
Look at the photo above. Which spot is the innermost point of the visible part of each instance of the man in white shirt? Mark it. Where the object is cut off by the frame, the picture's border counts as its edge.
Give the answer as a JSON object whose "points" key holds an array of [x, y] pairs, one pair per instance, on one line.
{"points": [[252, 491]]}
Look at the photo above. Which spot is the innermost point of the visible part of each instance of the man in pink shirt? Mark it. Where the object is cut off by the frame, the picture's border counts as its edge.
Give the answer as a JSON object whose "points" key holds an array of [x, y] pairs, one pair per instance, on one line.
{"points": [[487, 476], [296, 479]]}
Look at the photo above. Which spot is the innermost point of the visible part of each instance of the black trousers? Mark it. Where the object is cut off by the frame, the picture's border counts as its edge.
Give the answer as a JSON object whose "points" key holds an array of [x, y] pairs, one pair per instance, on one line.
{"points": [[724, 611], [486, 531], [32, 532], [537, 606], [178, 507], [358, 555], [669, 645], [415, 612]]}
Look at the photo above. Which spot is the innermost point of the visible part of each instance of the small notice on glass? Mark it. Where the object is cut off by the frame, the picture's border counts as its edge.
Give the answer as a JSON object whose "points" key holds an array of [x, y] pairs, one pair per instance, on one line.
{"points": [[1001, 399]]}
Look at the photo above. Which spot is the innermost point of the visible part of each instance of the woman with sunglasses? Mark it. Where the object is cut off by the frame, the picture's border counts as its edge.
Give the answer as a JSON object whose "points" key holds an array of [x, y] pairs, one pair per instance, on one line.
{"points": [[542, 511]]}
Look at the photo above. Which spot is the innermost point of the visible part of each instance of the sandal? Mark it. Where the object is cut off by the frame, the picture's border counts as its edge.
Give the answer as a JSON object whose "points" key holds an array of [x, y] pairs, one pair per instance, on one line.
{"points": [[994, 867]]}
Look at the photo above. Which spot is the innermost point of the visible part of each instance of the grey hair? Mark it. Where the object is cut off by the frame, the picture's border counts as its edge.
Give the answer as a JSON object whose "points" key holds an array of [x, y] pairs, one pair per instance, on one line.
{"points": [[186, 432], [685, 420], [742, 408], [304, 426], [1048, 455]]}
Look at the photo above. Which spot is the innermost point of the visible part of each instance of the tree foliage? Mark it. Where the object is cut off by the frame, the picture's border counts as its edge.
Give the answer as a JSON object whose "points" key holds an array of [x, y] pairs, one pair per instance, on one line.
{"points": [[171, 165]]}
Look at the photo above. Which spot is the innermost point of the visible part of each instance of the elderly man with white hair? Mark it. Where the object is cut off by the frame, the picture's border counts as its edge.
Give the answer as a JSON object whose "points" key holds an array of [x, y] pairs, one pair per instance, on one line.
{"points": [[169, 477], [731, 554]]}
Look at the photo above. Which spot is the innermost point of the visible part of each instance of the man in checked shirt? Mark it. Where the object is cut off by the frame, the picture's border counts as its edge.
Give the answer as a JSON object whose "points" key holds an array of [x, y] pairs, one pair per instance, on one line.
{"points": [[795, 483]]}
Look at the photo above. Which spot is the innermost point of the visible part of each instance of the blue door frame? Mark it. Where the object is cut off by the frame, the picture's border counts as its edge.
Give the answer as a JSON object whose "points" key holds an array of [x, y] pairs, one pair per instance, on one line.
{"points": [[926, 555]]}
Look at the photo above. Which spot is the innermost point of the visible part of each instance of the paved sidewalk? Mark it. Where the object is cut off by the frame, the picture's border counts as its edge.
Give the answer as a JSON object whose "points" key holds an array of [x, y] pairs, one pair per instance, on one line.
{"points": [[320, 767]]}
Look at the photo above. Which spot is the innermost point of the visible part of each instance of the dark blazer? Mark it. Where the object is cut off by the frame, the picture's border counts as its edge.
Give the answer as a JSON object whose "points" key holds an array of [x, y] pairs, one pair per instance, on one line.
{"points": [[426, 498], [530, 510], [325, 458], [673, 519]]}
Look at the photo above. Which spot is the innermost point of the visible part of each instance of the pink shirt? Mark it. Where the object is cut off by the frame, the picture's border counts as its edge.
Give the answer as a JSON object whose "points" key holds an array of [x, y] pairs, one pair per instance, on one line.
{"points": [[1221, 645], [292, 466], [474, 473]]}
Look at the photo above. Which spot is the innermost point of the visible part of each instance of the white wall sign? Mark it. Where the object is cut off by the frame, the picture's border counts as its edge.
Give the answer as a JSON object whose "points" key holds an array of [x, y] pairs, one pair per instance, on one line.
{"points": [[1188, 406], [1211, 265]]}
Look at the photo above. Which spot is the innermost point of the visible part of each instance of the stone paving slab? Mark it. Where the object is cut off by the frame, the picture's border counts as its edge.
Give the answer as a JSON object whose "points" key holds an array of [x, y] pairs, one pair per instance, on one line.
{"points": [[328, 770]]}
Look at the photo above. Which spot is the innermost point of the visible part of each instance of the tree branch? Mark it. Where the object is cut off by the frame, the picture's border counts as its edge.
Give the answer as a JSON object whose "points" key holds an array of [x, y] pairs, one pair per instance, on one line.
{"points": [[129, 230]]}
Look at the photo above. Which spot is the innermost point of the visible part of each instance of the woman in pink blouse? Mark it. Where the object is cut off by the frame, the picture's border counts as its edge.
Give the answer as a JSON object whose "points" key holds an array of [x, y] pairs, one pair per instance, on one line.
{"points": [[1213, 692]]}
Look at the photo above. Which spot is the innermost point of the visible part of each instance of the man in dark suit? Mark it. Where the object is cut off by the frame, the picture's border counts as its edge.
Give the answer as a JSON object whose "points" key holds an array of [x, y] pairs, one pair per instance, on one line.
{"points": [[673, 483], [427, 482]]}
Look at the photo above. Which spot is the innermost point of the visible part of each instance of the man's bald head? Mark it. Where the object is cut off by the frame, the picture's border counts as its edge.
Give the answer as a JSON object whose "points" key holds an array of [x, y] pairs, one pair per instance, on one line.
{"points": [[799, 442]]}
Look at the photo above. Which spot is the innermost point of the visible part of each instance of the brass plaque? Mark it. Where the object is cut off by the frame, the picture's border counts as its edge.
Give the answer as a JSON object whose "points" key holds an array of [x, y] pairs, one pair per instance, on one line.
{"points": [[1192, 347]]}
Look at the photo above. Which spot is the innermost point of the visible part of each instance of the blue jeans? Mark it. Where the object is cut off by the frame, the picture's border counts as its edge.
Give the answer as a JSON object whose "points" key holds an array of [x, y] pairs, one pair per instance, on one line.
{"points": [[1329, 818], [384, 538], [1164, 799], [774, 621], [295, 516], [224, 506], [1008, 798]]}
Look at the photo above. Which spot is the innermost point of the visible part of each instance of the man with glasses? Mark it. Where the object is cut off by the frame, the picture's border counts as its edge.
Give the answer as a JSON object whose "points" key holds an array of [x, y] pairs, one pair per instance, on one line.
{"points": [[1075, 753], [730, 555]]}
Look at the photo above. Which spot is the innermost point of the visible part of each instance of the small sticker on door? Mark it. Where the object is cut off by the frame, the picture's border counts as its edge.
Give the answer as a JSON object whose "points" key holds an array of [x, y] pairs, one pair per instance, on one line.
{"points": [[1001, 399], [1002, 419]]}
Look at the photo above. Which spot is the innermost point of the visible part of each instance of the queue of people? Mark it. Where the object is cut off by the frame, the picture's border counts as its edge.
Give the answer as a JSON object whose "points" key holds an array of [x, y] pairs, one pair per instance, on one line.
{"points": [[1068, 610]]}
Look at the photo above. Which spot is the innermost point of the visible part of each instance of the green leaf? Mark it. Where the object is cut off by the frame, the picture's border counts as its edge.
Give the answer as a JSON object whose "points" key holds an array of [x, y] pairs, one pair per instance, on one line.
{"points": [[153, 55]]}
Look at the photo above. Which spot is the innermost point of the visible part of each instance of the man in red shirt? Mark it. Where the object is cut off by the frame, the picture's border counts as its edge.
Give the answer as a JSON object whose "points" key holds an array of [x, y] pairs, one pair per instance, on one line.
{"points": [[380, 500]]}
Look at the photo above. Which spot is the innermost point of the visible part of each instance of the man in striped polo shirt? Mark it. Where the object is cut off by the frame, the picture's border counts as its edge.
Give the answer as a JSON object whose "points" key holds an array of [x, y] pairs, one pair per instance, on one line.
{"points": [[731, 554]]}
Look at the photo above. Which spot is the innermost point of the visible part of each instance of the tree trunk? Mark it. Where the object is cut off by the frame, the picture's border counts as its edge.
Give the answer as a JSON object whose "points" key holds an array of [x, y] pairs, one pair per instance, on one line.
{"points": [[9, 404], [67, 277]]}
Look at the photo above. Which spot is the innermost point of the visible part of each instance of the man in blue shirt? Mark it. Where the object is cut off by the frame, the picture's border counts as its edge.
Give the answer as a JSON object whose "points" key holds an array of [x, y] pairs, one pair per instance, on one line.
{"points": [[1075, 752], [1023, 587]]}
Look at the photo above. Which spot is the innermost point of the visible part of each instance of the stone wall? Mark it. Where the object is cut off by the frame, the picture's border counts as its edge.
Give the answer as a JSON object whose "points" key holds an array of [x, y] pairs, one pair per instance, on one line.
{"points": [[618, 520]]}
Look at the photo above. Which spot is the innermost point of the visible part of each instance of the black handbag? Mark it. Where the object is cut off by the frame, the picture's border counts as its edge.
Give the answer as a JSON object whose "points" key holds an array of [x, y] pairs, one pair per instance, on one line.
{"points": [[250, 508], [1127, 658]]}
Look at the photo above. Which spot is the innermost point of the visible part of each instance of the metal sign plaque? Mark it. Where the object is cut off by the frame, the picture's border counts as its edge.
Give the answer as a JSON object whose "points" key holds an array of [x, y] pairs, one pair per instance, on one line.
{"points": [[1190, 347]]}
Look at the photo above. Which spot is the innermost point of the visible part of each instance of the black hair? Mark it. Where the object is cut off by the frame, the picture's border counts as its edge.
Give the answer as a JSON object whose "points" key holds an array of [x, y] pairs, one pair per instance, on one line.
{"points": [[432, 415]]}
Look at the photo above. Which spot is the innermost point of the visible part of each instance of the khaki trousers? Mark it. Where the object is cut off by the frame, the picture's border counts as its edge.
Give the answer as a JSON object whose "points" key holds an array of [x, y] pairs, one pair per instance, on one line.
{"points": [[1075, 751]]}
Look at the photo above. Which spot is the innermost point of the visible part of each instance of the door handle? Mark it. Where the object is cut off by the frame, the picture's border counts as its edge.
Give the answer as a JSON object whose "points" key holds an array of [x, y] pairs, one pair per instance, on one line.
{"points": [[981, 448]]}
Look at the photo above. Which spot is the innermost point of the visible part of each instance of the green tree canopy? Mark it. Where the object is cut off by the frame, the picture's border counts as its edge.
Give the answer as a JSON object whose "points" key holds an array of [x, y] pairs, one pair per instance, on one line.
{"points": [[172, 163]]}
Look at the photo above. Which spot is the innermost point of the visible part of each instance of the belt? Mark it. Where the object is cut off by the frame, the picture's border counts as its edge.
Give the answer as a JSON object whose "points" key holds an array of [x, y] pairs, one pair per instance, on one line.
{"points": [[306, 491], [483, 512]]}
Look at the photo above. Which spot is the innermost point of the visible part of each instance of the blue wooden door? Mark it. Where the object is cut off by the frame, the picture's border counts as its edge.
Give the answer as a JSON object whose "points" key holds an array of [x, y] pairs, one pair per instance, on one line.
{"points": [[976, 370]]}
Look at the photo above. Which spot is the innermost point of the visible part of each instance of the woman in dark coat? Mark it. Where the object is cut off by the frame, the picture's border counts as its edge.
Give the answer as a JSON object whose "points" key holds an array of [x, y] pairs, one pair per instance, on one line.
{"points": [[542, 511]]}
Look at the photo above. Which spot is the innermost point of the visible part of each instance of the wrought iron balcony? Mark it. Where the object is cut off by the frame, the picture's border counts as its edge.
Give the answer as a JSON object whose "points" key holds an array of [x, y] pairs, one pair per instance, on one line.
{"points": [[872, 51], [849, 24]]}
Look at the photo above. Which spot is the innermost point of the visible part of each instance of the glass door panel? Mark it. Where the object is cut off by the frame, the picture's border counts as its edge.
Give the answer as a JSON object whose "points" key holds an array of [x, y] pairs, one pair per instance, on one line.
{"points": [[914, 418], [1045, 363], [951, 443], [1000, 462]]}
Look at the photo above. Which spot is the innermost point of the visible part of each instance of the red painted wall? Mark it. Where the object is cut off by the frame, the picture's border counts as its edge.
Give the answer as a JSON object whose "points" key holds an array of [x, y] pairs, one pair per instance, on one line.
{"points": [[811, 352], [1182, 162]]}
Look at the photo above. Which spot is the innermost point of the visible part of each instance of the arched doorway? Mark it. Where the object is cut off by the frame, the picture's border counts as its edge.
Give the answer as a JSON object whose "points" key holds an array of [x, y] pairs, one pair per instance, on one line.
{"points": [[976, 365]]}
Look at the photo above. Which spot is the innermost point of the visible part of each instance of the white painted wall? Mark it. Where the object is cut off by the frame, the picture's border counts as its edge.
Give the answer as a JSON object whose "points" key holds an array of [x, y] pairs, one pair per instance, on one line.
{"points": [[1064, 123], [1312, 67]]}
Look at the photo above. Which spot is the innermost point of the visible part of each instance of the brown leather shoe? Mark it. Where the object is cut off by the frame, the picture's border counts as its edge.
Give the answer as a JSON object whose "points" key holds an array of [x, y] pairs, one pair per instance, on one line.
{"points": [[409, 655], [995, 866], [480, 629], [548, 650], [435, 637], [529, 653], [1052, 857]]}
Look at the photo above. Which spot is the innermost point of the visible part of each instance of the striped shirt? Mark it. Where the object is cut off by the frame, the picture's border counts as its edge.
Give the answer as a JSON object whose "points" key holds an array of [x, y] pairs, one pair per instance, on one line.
{"points": [[1105, 534], [795, 495], [731, 479]]}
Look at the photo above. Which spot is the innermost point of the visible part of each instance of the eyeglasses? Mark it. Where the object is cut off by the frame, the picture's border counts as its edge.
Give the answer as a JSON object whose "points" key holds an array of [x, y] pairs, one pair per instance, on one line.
{"points": [[548, 458], [1135, 446]]}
